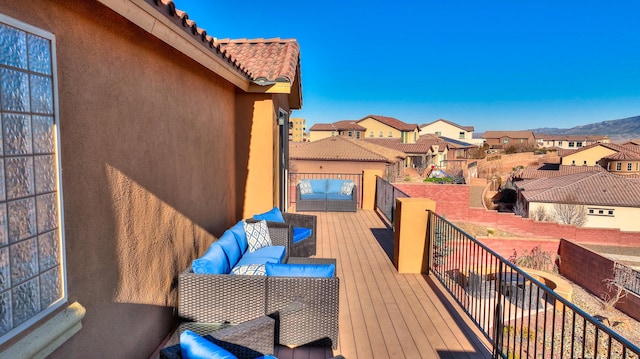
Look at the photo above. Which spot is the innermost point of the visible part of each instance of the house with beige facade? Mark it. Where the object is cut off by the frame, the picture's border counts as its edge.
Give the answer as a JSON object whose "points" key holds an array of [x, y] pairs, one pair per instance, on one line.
{"points": [[594, 154], [167, 137], [603, 199], [389, 127], [298, 129], [344, 128], [568, 142], [450, 130]]}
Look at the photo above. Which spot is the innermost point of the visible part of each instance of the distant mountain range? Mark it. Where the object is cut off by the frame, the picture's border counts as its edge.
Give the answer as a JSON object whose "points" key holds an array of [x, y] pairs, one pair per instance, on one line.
{"points": [[618, 130]]}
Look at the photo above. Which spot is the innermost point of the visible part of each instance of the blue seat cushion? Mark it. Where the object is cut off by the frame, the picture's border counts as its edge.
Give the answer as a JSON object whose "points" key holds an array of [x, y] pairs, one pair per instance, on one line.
{"points": [[213, 261], [338, 197], [300, 270], [273, 215], [193, 346], [334, 185], [241, 236], [314, 196], [271, 254], [300, 233], [229, 243], [318, 185]]}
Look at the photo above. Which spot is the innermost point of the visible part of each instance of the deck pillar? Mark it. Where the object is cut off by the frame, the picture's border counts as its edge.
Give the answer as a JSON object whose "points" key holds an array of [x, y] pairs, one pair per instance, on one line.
{"points": [[410, 252], [369, 189]]}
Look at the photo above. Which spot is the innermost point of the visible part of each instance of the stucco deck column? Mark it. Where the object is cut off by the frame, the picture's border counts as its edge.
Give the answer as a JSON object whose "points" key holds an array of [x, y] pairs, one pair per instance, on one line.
{"points": [[410, 252], [369, 189]]}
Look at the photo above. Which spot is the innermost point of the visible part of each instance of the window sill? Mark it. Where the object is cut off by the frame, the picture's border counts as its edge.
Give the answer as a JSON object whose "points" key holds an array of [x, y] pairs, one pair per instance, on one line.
{"points": [[50, 335]]}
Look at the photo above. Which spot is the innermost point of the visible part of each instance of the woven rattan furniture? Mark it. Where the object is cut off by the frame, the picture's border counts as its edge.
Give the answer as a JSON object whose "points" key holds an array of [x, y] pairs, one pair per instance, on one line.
{"points": [[305, 308], [326, 205], [248, 340], [302, 248]]}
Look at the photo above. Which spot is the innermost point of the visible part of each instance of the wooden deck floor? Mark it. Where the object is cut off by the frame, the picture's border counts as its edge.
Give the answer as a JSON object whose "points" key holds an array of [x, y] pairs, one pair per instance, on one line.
{"points": [[384, 314]]}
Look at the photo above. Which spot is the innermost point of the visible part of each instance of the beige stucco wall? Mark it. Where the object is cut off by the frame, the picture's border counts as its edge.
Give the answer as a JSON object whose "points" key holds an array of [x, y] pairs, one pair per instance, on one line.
{"points": [[591, 155], [151, 143], [376, 126], [623, 217], [318, 135], [446, 130]]}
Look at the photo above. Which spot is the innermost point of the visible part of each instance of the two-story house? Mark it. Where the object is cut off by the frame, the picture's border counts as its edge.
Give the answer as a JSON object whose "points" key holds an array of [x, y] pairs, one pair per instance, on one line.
{"points": [[345, 128], [389, 127], [448, 129], [502, 139]]}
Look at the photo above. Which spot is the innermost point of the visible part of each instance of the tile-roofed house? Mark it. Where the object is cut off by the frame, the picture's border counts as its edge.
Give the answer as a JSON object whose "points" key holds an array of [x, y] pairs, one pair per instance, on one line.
{"points": [[340, 154], [385, 127], [427, 151], [568, 141], [608, 201], [346, 128], [182, 143], [502, 139], [449, 129], [591, 154]]}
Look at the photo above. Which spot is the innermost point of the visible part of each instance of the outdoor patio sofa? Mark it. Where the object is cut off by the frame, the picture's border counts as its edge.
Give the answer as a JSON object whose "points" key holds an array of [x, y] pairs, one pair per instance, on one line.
{"points": [[305, 307], [326, 195]]}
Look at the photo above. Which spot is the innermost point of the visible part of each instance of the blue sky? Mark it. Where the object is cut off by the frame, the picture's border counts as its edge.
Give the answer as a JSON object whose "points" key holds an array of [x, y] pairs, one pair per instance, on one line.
{"points": [[494, 65]]}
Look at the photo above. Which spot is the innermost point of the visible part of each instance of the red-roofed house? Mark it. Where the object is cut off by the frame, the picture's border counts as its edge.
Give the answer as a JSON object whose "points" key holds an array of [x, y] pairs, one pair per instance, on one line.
{"points": [[389, 127], [449, 129], [502, 139], [345, 128]]}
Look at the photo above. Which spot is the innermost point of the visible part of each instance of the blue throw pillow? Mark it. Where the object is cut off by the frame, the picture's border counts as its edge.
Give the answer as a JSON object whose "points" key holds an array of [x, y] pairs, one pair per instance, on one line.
{"points": [[334, 185], [300, 233], [300, 270], [274, 215], [241, 236], [228, 242], [193, 346], [214, 261], [318, 185]]}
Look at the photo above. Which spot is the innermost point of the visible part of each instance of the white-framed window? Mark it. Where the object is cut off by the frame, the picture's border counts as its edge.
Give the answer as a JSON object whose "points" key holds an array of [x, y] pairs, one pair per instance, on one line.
{"points": [[350, 133], [578, 144], [380, 135], [629, 167], [371, 134], [559, 143], [358, 134], [505, 140], [32, 262], [618, 166], [390, 134], [461, 136], [571, 144]]}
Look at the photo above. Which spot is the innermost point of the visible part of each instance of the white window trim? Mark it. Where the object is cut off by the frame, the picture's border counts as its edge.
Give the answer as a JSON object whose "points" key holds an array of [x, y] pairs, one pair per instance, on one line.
{"points": [[63, 262]]}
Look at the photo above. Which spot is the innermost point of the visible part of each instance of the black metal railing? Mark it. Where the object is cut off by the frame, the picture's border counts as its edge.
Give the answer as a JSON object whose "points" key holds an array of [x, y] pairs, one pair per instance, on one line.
{"points": [[521, 316], [627, 277], [386, 195], [295, 177]]}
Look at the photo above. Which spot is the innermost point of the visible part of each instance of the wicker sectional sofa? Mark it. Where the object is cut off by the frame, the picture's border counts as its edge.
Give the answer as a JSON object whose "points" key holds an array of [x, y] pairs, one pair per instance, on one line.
{"points": [[326, 195], [305, 307]]}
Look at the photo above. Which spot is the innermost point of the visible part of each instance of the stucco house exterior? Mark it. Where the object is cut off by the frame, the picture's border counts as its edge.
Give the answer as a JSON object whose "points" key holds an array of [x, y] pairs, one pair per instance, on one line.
{"points": [[607, 200], [450, 130], [345, 128], [389, 127], [591, 155], [502, 139], [132, 140], [568, 142], [340, 154], [428, 150]]}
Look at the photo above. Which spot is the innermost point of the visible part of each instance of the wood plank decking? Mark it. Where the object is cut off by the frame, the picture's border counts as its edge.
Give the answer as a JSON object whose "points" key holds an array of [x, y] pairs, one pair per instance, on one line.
{"points": [[384, 314]]}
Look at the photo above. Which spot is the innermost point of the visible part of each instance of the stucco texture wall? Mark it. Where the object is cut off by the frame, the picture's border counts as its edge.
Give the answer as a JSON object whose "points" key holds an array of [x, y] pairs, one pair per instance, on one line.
{"points": [[148, 159]]}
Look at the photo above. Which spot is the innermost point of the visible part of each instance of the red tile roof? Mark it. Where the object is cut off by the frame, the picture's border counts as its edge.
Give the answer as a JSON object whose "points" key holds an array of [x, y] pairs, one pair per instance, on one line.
{"points": [[550, 170], [624, 156], [611, 146], [260, 60], [424, 144], [265, 60], [337, 126], [392, 122], [340, 148], [595, 188], [509, 134]]}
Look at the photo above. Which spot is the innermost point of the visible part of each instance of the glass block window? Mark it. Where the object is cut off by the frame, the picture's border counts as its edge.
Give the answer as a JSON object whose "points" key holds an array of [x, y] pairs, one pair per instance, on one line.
{"points": [[32, 276]]}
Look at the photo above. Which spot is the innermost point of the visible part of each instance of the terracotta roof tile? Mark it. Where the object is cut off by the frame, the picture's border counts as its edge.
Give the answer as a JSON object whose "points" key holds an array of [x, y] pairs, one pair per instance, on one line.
{"points": [[337, 126], [624, 155], [595, 188], [340, 148], [550, 170], [260, 60], [424, 144], [392, 122], [265, 60]]}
